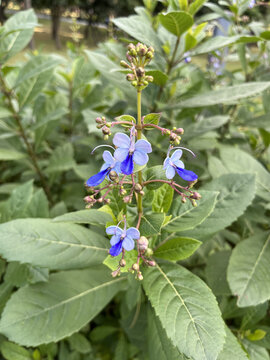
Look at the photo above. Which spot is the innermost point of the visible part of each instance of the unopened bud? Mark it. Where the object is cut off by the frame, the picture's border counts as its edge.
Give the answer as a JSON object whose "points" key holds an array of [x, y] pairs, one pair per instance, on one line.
{"points": [[142, 192], [140, 72], [99, 126], [106, 130], [134, 83], [149, 55], [106, 137], [196, 196], [131, 46], [138, 187], [113, 175], [129, 58], [100, 200], [151, 263], [173, 136], [88, 206], [107, 201], [124, 64], [179, 131], [99, 120], [142, 243], [192, 183], [130, 77], [139, 276], [109, 124], [132, 52], [143, 50], [151, 49], [126, 199], [183, 200], [122, 262], [115, 273], [149, 78], [193, 202], [136, 267], [145, 83], [88, 199], [122, 192], [149, 252], [177, 140]]}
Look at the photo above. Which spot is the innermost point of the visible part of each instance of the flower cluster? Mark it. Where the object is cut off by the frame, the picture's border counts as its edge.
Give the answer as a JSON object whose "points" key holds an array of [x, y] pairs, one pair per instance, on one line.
{"points": [[119, 170]]}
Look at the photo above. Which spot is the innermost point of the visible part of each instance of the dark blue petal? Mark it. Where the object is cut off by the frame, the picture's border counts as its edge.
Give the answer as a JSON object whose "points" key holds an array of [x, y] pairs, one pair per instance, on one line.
{"points": [[127, 165], [116, 249], [186, 174], [98, 178]]}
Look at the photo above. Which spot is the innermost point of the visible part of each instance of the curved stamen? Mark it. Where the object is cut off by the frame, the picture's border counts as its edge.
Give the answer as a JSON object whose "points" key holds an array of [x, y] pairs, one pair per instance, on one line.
{"points": [[92, 152], [180, 147]]}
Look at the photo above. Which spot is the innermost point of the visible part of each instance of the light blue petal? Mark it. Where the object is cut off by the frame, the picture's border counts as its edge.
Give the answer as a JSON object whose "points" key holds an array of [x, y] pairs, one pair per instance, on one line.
{"points": [[116, 167], [115, 239], [104, 166], [176, 155], [108, 158], [143, 145], [166, 162], [114, 230], [170, 172], [140, 158], [179, 164], [121, 140], [120, 154], [133, 233], [128, 243]]}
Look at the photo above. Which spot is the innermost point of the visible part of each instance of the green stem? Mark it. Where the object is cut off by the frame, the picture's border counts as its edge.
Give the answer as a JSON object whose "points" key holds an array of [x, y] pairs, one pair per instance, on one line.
{"points": [[139, 136]]}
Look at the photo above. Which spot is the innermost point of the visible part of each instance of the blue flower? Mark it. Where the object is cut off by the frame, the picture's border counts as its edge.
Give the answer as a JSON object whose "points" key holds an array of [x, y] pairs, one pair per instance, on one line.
{"points": [[110, 164], [251, 4], [122, 239], [128, 152], [174, 164], [187, 57]]}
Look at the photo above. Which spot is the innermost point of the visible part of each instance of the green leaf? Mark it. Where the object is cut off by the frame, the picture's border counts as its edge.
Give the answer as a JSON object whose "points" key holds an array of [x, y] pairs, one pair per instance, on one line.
{"points": [[18, 31], [151, 224], [78, 342], [195, 6], [112, 262], [231, 349], [185, 216], [253, 315], [187, 310], [255, 352], [91, 216], [227, 95], [265, 35], [33, 76], [177, 249], [153, 173], [14, 352], [21, 274], [205, 125], [38, 206], [215, 271], [65, 304], [236, 192], [265, 341], [54, 245], [62, 159], [128, 118], [238, 161], [176, 22], [258, 334], [10, 154], [159, 346], [248, 273], [162, 200], [160, 78], [151, 119]]}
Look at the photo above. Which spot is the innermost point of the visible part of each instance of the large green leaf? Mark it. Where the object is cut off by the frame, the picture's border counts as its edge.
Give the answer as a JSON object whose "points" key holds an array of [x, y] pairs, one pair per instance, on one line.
{"points": [[159, 346], [236, 192], [18, 31], [90, 216], [62, 159], [151, 224], [248, 271], [176, 22], [10, 154], [46, 312], [186, 217], [238, 161], [162, 199], [195, 6], [14, 352], [205, 125], [227, 95], [177, 248], [33, 76], [232, 349], [215, 271], [54, 245], [187, 310]]}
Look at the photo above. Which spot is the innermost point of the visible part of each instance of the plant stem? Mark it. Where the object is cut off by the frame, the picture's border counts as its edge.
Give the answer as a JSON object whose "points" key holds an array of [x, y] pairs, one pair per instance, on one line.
{"points": [[28, 145], [139, 136]]}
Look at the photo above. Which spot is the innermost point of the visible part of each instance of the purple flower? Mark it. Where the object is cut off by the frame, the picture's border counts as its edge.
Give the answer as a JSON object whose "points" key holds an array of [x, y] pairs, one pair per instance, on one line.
{"points": [[122, 239], [187, 57], [251, 4], [110, 164], [174, 164], [129, 152]]}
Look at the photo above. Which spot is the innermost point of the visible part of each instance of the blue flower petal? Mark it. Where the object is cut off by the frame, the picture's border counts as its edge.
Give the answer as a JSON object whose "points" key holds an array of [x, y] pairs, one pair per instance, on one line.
{"points": [[143, 145], [170, 172], [127, 165], [176, 155], [116, 167], [98, 178], [186, 174], [115, 239], [121, 140], [108, 158], [116, 249], [120, 154], [133, 233], [128, 243], [114, 230], [140, 158], [179, 164], [166, 162]]}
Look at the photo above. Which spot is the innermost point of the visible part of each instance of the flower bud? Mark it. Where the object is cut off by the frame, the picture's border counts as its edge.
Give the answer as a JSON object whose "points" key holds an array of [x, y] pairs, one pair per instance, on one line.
{"points": [[138, 187], [196, 196], [99, 120], [151, 263], [99, 126], [109, 124], [149, 78], [183, 200], [173, 136], [149, 55], [124, 64], [145, 83], [113, 175], [134, 83], [127, 199], [139, 276], [106, 130], [177, 140], [122, 192], [140, 72], [129, 58], [130, 77], [116, 273], [106, 137], [88, 199], [179, 131], [131, 46], [142, 243], [142, 192], [132, 52], [100, 200], [151, 49], [143, 50], [149, 252], [136, 267], [107, 201], [193, 202], [88, 206], [122, 262]]}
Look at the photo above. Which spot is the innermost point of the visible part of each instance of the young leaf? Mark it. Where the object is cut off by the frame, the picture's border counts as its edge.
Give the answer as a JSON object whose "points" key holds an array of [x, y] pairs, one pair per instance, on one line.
{"points": [[187, 310], [14, 352], [176, 22], [177, 249], [113, 261], [66, 303], [54, 245], [248, 271], [151, 119], [90, 216]]}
